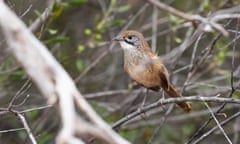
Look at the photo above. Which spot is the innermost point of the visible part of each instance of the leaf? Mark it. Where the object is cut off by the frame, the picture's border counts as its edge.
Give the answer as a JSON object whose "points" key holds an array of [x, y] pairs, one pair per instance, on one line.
{"points": [[79, 64], [175, 19], [81, 48], [178, 40], [58, 39], [77, 2], [98, 36], [118, 22], [87, 32], [122, 9]]}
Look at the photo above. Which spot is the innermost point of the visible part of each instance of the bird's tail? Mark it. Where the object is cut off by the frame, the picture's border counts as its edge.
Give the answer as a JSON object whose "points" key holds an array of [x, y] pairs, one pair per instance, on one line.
{"points": [[172, 92]]}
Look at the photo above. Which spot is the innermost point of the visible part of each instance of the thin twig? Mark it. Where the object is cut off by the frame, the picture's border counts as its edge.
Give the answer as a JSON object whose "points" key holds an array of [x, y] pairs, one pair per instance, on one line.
{"points": [[218, 124], [11, 130], [154, 28], [27, 128]]}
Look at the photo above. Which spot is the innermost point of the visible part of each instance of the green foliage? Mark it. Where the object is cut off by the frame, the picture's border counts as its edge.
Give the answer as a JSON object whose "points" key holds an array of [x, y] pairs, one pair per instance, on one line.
{"points": [[175, 20], [81, 48], [58, 39], [206, 5], [123, 8], [131, 135], [22, 134], [69, 4], [77, 2], [45, 138], [118, 22], [222, 53], [187, 129], [87, 32], [178, 40], [79, 64]]}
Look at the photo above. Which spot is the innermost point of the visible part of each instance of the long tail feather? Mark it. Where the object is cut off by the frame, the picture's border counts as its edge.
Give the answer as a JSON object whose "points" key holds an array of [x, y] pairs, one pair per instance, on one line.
{"points": [[172, 92]]}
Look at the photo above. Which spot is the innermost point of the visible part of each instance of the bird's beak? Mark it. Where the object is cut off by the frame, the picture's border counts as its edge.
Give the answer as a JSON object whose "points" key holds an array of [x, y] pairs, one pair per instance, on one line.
{"points": [[117, 38]]}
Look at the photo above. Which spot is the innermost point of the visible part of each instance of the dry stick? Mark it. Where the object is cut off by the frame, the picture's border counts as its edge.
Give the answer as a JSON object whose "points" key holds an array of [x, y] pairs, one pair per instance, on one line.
{"points": [[173, 100], [26, 126], [42, 18], [218, 124], [42, 67], [26, 11], [26, 85], [194, 18], [154, 29], [191, 62], [11, 130], [216, 127]]}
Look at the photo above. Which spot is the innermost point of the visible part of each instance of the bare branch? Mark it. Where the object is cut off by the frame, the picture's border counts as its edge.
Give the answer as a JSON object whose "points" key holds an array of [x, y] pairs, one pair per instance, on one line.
{"points": [[218, 124], [27, 128], [50, 78], [173, 100]]}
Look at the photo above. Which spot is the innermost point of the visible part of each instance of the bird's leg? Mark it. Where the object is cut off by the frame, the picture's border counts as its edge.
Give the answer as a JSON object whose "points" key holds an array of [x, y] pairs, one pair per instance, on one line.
{"points": [[163, 94], [145, 97], [162, 98]]}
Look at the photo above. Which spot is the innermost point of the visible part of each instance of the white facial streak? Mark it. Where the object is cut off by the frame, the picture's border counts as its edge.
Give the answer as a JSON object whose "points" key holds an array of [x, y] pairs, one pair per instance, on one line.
{"points": [[126, 46]]}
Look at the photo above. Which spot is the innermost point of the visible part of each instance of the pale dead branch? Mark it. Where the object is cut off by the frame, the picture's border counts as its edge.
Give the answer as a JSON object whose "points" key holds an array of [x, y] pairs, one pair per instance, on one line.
{"points": [[52, 80]]}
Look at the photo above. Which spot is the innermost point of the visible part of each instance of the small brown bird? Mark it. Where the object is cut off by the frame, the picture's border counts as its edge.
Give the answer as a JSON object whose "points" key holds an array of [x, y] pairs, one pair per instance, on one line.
{"points": [[144, 66]]}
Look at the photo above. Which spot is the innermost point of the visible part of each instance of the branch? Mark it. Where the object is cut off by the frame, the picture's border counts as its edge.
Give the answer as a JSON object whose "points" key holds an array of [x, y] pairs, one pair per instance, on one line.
{"points": [[216, 127], [27, 128], [51, 79], [208, 23], [173, 100], [42, 18]]}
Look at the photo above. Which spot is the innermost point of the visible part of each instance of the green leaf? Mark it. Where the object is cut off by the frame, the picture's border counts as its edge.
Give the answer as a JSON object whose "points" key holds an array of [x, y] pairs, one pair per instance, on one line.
{"points": [[122, 9], [45, 138], [205, 5], [178, 40], [175, 19], [58, 39], [118, 22], [81, 48], [79, 64], [77, 2], [87, 32], [98, 36]]}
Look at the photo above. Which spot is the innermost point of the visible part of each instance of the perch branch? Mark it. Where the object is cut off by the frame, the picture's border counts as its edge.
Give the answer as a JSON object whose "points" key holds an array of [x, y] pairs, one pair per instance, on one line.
{"points": [[173, 100]]}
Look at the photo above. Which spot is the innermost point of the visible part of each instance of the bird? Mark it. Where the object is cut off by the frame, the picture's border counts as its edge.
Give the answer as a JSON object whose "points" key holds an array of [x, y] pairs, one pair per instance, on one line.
{"points": [[145, 67]]}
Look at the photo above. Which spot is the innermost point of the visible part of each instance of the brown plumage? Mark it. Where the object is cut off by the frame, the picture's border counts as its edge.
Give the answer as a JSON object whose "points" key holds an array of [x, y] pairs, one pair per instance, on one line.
{"points": [[144, 66]]}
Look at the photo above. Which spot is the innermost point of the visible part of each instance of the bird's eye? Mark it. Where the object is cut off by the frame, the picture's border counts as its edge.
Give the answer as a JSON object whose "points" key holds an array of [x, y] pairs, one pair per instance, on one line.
{"points": [[130, 37]]}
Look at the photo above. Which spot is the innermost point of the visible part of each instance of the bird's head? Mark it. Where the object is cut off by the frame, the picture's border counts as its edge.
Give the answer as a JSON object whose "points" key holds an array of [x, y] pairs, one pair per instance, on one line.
{"points": [[130, 39]]}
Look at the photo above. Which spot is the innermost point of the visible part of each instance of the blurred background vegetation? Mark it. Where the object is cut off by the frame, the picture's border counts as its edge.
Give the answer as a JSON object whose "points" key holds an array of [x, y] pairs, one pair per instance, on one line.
{"points": [[79, 32]]}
